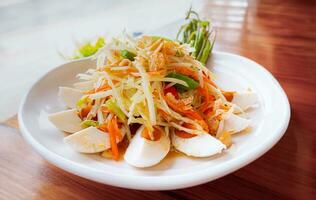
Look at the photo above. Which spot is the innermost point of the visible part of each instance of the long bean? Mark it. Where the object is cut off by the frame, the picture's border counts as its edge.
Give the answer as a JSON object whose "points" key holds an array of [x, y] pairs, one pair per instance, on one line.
{"points": [[197, 34]]}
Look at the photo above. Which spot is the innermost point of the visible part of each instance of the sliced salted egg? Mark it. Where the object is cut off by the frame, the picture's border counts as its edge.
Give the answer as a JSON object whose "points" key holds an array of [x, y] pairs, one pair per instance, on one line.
{"points": [[70, 96], [145, 153], [67, 120], [84, 85], [90, 140], [245, 100], [203, 145], [235, 123]]}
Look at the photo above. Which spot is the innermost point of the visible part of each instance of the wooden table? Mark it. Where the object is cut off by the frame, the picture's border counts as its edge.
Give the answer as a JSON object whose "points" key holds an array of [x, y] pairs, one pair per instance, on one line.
{"points": [[277, 34]]}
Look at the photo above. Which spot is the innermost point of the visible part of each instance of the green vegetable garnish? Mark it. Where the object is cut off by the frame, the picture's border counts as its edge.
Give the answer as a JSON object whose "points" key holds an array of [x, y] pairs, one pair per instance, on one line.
{"points": [[191, 83], [127, 54], [203, 56], [99, 43], [197, 33], [89, 49], [82, 101], [112, 106], [87, 123]]}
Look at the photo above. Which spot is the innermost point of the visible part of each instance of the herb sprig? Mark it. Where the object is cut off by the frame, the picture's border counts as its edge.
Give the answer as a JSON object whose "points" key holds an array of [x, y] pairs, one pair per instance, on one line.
{"points": [[199, 34]]}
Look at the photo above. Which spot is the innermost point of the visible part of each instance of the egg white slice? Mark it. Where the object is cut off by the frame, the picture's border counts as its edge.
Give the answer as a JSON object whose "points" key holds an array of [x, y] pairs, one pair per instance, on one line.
{"points": [[145, 153], [66, 120], [235, 123], [90, 140], [245, 100], [203, 145], [84, 85], [70, 96]]}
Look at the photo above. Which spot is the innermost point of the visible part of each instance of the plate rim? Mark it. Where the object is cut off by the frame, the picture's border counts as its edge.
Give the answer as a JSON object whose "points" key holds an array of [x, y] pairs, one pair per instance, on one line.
{"points": [[155, 183]]}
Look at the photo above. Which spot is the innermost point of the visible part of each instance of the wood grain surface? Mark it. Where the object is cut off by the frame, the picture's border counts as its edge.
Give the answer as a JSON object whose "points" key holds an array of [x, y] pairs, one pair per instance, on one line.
{"points": [[280, 35]]}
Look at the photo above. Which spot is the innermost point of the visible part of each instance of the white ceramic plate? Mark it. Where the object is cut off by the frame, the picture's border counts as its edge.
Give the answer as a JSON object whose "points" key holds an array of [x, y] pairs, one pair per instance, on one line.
{"points": [[269, 122]]}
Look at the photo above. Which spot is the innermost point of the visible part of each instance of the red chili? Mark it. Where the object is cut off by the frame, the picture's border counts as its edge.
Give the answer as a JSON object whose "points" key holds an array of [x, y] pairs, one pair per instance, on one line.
{"points": [[172, 90]]}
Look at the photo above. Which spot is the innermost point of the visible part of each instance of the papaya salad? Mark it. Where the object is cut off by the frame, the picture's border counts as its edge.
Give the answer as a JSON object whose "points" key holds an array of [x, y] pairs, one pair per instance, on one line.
{"points": [[154, 94]]}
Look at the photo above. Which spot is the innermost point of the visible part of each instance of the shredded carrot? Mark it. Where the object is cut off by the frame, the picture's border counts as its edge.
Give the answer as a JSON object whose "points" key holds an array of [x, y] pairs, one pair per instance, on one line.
{"points": [[188, 72], [213, 125], [103, 127], [152, 73], [209, 81], [228, 95], [208, 99], [112, 133], [136, 74], [128, 71], [164, 115], [179, 106], [163, 51], [100, 89], [193, 114], [116, 53], [175, 104], [156, 73], [157, 134], [193, 74], [105, 110], [125, 62], [184, 134], [187, 125], [85, 111], [170, 48], [204, 92], [209, 112], [155, 44], [119, 73], [118, 133]]}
